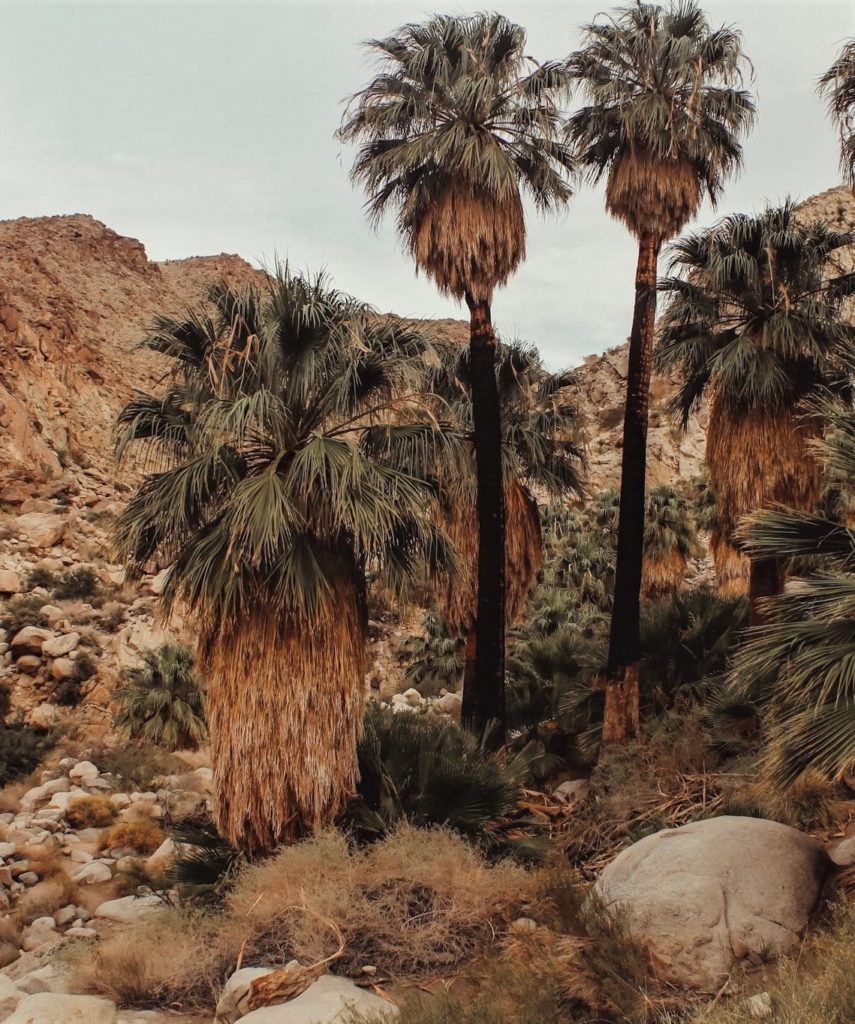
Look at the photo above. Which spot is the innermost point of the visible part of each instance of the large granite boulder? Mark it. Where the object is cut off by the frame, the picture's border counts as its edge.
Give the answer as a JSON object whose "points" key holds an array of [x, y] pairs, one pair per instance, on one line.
{"points": [[715, 892], [329, 1000], [53, 1008]]}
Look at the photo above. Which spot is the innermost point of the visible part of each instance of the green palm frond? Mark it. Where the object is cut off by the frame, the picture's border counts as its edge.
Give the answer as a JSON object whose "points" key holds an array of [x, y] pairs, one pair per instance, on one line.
{"points": [[296, 437], [838, 87]]}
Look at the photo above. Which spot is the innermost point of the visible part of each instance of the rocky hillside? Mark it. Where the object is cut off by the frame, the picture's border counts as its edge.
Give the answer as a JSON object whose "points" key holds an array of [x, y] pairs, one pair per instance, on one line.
{"points": [[74, 298]]}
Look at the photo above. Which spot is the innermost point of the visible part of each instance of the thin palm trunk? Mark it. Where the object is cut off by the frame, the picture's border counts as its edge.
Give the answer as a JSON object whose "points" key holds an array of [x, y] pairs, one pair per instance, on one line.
{"points": [[766, 579], [484, 694], [622, 693]]}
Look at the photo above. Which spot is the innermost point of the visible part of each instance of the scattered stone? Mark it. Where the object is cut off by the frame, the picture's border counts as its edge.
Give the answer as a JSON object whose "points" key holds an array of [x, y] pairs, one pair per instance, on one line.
{"points": [[65, 915], [92, 874], [843, 854], [712, 893], [128, 909], [573, 792], [43, 715], [59, 646], [41, 529], [10, 582], [759, 1005], [58, 1008], [63, 668], [29, 664], [330, 1000], [84, 771]]}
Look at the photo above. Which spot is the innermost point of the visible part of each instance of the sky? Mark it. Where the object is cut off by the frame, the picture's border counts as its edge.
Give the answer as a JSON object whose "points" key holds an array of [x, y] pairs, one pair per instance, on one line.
{"points": [[205, 127]]}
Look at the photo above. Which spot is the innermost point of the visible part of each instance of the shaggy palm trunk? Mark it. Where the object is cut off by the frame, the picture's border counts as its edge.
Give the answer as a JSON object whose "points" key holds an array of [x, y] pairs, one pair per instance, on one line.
{"points": [[766, 579], [284, 709], [622, 694], [484, 698]]}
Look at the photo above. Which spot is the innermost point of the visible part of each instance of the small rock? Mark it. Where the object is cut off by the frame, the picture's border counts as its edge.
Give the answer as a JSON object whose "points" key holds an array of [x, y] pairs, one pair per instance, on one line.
{"points": [[29, 664], [162, 857], [58, 1008], [92, 874], [83, 771], [330, 999], [28, 878], [10, 996], [7, 850], [43, 715], [573, 791], [63, 668], [80, 856], [79, 932], [65, 915], [412, 697], [10, 582], [59, 646], [128, 909], [35, 937], [843, 854], [759, 1005]]}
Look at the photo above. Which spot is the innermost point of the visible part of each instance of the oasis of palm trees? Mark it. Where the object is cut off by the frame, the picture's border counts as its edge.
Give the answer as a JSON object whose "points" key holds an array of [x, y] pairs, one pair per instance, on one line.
{"points": [[309, 460]]}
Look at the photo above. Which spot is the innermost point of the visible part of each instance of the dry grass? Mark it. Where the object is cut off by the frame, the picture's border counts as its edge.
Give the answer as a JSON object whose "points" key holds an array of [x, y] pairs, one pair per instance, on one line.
{"points": [[417, 902], [731, 566], [140, 834], [283, 726], [90, 812], [663, 574], [10, 797], [45, 897]]}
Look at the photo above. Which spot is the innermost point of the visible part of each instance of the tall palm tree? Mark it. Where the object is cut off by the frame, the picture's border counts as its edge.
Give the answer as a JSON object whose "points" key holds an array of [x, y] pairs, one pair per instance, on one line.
{"points": [[664, 115], [280, 465], [757, 320], [800, 664], [455, 127], [838, 87], [540, 453]]}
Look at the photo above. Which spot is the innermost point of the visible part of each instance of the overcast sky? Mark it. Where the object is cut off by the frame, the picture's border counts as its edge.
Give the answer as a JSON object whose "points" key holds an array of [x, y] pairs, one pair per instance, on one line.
{"points": [[203, 127]]}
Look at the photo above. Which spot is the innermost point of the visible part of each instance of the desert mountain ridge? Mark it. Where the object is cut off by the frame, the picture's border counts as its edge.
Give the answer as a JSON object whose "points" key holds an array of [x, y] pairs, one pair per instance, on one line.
{"points": [[75, 296]]}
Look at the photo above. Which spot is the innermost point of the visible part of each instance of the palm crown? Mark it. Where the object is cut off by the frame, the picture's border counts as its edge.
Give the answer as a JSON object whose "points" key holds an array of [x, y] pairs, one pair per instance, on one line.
{"points": [[457, 123], [838, 86], [664, 112]]}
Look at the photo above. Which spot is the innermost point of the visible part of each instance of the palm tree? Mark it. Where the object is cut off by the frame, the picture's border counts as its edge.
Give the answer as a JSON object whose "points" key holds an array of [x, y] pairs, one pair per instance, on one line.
{"points": [[539, 453], [664, 114], [757, 320], [731, 564], [457, 124], [838, 86], [670, 540], [800, 664], [162, 700], [280, 466]]}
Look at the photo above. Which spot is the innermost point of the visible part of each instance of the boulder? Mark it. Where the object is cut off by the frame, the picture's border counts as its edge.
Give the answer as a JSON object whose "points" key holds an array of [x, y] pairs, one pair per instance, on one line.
{"points": [[128, 909], [29, 664], [62, 669], [29, 640], [10, 582], [39, 794], [59, 646], [83, 771], [330, 1000], [712, 893], [41, 529], [57, 1008]]}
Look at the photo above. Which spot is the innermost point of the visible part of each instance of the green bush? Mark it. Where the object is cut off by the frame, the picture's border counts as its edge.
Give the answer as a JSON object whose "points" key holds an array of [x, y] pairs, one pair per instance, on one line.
{"points": [[429, 772], [161, 701], [20, 611], [22, 748], [77, 584]]}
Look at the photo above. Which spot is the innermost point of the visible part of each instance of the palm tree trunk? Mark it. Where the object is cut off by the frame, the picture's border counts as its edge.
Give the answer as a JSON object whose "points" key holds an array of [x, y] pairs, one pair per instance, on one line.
{"points": [[484, 694], [622, 695], [766, 579]]}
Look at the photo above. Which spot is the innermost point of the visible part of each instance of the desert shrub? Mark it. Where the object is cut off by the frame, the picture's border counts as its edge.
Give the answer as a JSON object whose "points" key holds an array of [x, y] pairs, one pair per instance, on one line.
{"points": [[817, 987], [77, 584], [686, 640], [22, 748], [20, 611], [417, 902], [69, 692], [429, 772], [38, 576], [161, 701], [137, 765], [5, 701], [55, 891], [139, 834], [90, 812], [434, 657], [812, 802]]}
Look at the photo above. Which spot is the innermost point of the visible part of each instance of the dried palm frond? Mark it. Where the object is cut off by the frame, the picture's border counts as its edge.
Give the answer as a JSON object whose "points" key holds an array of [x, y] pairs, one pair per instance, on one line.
{"points": [[466, 241], [285, 709], [731, 566], [645, 189], [760, 458]]}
